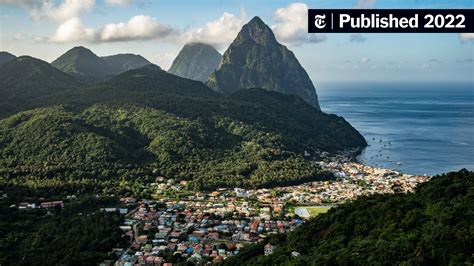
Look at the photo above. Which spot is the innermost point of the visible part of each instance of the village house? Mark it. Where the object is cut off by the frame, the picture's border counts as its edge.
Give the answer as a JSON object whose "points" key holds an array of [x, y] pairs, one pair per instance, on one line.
{"points": [[268, 249]]}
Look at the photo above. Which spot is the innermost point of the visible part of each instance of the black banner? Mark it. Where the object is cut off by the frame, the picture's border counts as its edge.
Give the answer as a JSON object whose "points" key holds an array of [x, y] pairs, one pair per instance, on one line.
{"points": [[390, 20]]}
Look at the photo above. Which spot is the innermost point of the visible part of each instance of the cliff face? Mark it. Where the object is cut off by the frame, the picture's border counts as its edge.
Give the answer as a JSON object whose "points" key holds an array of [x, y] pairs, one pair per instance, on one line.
{"points": [[255, 59], [195, 61]]}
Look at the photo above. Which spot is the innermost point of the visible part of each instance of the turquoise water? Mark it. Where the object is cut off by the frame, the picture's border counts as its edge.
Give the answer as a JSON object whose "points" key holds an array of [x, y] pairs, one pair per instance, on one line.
{"points": [[415, 128]]}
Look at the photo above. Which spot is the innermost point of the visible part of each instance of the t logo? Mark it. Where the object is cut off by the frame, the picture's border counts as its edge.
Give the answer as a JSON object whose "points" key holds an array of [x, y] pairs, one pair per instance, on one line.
{"points": [[319, 21]]}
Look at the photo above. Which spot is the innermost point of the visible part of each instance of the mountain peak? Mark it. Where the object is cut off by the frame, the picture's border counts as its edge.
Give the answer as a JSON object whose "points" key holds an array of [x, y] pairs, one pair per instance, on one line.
{"points": [[257, 21], [255, 59], [257, 31], [81, 61], [81, 50], [195, 61]]}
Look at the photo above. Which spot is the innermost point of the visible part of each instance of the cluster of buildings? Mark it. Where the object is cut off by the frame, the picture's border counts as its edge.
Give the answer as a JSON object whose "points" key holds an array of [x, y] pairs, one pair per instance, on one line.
{"points": [[356, 179], [212, 226], [202, 227], [352, 180], [207, 230]]}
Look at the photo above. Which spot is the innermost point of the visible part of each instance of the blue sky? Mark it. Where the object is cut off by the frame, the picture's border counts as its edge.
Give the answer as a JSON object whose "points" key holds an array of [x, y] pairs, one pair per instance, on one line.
{"points": [[158, 29]]}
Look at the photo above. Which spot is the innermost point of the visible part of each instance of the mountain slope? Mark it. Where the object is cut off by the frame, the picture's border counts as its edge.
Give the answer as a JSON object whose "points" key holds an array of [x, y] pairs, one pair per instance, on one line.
{"points": [[88, 68], [255, 59], [433, 226], [123, 62], [25, 81], [153, 78], [81, 61], [6, 57], [195, 61], [149, 119]]}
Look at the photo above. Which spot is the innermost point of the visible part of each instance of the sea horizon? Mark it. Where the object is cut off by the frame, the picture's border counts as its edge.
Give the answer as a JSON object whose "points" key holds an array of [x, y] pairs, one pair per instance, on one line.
{"points": [[412, 127]]}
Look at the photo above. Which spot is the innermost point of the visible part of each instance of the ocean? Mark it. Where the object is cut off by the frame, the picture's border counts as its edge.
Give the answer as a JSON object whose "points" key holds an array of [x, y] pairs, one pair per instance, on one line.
{"points": [[415, 128]]}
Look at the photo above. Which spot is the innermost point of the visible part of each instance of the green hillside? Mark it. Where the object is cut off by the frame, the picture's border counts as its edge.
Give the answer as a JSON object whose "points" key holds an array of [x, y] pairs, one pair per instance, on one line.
{"points": [[433, 226], [26, 81], [81, 61], [88, 68], [6, 57], [147, 122], [123, 62]]}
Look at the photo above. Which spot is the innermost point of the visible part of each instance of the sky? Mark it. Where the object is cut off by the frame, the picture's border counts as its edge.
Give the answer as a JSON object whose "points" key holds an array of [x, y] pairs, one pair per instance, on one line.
{"points": [[158, 29]]}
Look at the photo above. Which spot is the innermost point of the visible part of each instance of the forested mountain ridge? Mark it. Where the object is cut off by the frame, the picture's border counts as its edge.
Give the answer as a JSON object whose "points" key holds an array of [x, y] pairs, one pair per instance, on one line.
{"points": [[147, 122], [81, 61], [6, 57], [105, 141], [25, 81], [88, 68], [120, 63], [432, 226]]}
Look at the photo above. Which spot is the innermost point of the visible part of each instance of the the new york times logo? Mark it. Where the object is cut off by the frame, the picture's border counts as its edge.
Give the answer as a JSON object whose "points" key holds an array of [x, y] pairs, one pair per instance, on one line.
{"points": [[320, 21], [390, 20]]}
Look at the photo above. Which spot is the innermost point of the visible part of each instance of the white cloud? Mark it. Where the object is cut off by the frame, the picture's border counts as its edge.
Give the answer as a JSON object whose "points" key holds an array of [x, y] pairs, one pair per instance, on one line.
{"points": [[364, 4], [73, 30], [292, 26], [364, 60], [137, 28], [118, 2], [466, 36], [218, 32], [57, 11]]}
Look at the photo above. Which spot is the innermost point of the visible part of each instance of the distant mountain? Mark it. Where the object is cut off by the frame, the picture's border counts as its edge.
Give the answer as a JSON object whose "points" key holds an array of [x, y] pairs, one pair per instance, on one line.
{"points": [[255, 59], [6, 57], [26, 70], [123, 62], [89, 68], [196, 61], [25, 80], [82, 61]]}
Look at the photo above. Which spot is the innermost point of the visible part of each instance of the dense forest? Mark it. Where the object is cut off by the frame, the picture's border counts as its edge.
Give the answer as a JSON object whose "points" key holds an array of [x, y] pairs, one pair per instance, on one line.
{"points": [[433, 226], [76, 235], [144, 123]]}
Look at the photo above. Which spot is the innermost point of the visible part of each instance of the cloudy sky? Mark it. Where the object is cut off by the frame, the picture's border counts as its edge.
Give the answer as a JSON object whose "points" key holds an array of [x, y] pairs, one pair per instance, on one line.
{"points": [[158, 29]]}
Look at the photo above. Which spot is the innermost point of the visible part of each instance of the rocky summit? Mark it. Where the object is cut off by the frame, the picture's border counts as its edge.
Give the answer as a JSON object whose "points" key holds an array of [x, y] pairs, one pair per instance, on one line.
{"points": [[196, 61], [255, 59]]}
